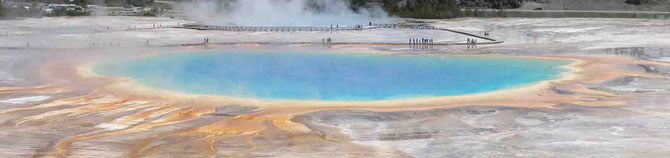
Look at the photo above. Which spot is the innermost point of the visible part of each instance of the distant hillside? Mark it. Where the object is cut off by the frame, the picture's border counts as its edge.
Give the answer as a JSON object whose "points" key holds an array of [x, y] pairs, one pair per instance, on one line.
{"points": [[601, 5], [453, 8], [423, 8]]}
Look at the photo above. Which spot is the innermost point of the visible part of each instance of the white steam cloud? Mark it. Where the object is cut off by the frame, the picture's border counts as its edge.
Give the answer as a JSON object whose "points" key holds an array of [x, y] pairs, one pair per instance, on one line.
{"points": [[281, 13]]}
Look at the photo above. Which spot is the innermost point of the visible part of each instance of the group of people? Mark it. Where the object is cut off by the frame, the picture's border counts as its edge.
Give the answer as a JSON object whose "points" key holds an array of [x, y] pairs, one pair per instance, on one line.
{"points": [[486, 34], [111, 44], [472, 41], [413, 41], [133, 27], [360, 26], [326, 40], [421, 46]]}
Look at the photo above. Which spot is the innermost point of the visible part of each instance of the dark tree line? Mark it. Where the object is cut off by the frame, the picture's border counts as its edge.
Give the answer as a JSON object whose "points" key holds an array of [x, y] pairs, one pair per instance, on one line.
{"points": [[640, 2], [432, 9], [357, 5], [495, 4], [439, 9], [2, 9], [118, 3], [136, 3]]}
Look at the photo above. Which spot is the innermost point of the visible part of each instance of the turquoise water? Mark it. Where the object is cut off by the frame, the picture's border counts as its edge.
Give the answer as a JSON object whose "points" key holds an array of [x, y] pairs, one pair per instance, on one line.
{"points": [[331, 76]]}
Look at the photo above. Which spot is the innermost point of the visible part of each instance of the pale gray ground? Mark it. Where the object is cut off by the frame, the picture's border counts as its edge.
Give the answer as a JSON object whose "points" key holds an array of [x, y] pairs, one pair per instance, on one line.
{"points": [[640, 128]]}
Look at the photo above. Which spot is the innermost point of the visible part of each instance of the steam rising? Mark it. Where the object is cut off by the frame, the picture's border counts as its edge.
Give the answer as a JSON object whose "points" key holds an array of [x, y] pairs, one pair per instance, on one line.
{"points": [[281, 13]]}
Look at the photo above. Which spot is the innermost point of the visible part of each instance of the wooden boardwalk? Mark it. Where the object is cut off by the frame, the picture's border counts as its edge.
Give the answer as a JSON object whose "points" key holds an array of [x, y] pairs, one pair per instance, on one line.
{"points": [[331, 43], [489, 40], [271, 28]]}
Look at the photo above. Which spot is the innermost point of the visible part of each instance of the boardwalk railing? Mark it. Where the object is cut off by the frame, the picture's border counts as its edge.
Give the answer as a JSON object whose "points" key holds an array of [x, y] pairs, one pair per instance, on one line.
{"points": [[270, 28], [341, 28], [421, 27]]}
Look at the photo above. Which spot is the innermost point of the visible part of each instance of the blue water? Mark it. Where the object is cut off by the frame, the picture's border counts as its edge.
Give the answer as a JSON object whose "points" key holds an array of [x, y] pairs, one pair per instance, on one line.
{"points": [[331, 76]]}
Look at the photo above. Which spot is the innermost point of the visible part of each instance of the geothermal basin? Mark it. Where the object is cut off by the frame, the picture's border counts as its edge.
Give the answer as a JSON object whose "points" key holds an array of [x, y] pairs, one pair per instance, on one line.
{"points": [[331, 76], [608, 103]]}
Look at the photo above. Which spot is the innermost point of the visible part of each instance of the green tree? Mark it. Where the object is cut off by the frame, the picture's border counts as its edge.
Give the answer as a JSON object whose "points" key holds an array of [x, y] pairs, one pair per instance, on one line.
{"points": [[633, 2], [140, 3], [115, 3], [357, 5], [433, 9], [2, 9], [80, 2]]}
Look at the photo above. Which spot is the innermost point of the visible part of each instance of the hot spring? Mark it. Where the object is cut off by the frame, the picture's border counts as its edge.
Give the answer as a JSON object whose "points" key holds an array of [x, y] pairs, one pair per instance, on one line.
{"points": [[331, 76]]}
